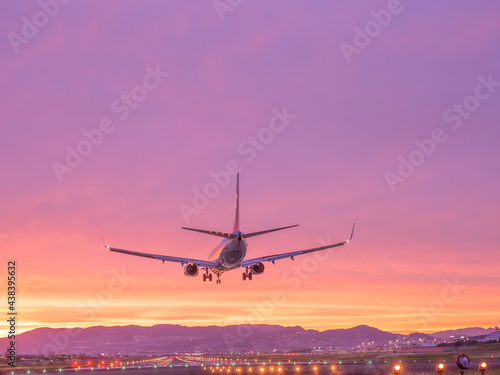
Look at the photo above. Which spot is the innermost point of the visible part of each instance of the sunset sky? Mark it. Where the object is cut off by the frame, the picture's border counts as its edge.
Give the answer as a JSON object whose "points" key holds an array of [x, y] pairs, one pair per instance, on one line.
{"points": [[383, 113]]}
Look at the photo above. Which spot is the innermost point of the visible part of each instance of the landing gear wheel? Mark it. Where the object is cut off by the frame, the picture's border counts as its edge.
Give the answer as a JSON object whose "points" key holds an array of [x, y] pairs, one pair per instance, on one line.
{"points": [[204, 277], [244, 276], [210, 277], [249, 276]]}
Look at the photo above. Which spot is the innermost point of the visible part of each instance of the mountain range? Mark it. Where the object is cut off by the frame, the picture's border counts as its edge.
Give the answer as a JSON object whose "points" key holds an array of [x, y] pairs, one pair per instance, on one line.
{"points": [[166, 338]]}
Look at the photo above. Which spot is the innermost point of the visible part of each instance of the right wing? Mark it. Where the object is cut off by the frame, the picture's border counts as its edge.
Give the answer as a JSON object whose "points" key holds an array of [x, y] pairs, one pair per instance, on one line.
{"points": [[272, 258], [164, 258]]}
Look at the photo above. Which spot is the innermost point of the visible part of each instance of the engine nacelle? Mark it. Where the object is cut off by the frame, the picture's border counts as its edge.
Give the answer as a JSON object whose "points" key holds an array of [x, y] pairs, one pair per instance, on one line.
{"points": [[257, 269], [191, 270]]}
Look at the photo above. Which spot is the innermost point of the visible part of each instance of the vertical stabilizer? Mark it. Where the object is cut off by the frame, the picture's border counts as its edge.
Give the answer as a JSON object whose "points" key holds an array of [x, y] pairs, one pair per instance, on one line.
{"points": [[236, 226]]}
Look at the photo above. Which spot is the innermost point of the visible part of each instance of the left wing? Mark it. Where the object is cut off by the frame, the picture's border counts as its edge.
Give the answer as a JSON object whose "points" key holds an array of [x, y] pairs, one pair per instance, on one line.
{"points": [[272, 258], [165, 258]]}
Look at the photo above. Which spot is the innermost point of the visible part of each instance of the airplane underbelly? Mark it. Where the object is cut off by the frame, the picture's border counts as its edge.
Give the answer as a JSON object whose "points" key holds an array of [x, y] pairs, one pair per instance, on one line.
{"points": [[231, 258]]}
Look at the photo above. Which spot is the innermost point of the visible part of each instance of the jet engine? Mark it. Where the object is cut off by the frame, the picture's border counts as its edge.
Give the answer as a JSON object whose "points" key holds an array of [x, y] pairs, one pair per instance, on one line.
{"points": [[257, 269], [191, 270]]}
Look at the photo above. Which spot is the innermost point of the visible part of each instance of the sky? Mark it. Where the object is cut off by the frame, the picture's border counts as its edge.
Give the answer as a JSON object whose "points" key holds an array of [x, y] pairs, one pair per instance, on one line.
{"points": [[131, 117]]}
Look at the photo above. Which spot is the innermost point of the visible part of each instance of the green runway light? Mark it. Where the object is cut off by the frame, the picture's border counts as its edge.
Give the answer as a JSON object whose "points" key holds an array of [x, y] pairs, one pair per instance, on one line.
{"points": [[170, 365], [123, 368], [44, 370], [139, 366], [92, 369], [28, 371], [279, 363], [187, 365], [155, 366], [60, 369], [340, 362], [324, 363]]}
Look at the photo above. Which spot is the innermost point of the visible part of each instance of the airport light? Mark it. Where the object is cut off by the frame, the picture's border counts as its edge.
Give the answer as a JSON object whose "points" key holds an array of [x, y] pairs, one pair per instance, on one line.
{"points": [[333, 368], [396, 369], [297, 369], [440, 368], [279, 369], [315, 368], [262, 369], [482, 367]]}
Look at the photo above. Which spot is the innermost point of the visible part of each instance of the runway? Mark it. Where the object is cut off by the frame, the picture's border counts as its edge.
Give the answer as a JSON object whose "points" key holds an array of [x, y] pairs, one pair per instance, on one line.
{"points": [[178, 367]]}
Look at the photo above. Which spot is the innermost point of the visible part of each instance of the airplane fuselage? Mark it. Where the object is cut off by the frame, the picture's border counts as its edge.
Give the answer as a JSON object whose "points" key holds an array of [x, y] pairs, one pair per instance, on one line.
{"points": [[229, 253]]}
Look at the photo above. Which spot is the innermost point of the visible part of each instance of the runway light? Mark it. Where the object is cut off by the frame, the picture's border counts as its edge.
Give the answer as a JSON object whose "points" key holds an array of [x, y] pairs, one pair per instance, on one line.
{"points": [[396, 369], [261, 369], [440, 368], [297, 369], [279, 369], [333, 368], [482, 367]]}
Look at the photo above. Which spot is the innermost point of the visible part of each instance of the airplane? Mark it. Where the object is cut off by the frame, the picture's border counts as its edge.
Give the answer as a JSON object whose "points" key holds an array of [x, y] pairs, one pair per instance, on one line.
{"points": [[230, 252]]}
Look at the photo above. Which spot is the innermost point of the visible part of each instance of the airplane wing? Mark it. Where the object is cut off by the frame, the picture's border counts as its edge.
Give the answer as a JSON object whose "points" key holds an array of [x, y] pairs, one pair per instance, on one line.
{"points": [[164, 258], [292, 254]]}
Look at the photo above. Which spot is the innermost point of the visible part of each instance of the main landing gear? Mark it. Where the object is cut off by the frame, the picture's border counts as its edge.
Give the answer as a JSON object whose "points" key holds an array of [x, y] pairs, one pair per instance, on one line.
{"points": [[207, 276], [247, 275]]}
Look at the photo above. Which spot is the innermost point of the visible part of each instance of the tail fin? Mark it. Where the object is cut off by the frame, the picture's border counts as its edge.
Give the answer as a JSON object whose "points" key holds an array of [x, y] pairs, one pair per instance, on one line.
{"points": [[236, 226]]}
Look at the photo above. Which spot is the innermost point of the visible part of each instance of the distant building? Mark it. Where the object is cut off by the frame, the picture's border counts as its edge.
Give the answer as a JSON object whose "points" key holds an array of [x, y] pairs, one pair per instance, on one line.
{"points": [[425, 348]]}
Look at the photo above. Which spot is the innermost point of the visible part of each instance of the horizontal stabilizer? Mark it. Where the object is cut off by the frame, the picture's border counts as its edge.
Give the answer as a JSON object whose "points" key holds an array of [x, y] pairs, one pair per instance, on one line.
{"points": [[213, 233], [248, 235]]}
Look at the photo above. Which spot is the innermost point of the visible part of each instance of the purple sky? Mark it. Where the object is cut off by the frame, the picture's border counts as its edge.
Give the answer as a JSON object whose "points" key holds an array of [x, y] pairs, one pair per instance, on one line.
{"points": [[356, 117]]}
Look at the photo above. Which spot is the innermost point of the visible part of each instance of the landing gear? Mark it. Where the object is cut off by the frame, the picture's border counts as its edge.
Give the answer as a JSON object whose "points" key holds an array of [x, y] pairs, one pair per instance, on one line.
{"points": [[218, 279], [247, 275], [207, 276]]}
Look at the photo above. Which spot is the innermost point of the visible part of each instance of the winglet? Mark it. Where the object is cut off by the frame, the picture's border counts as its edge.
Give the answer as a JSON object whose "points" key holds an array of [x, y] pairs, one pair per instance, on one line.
{"points": [[352, 233], [103, 242]]}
